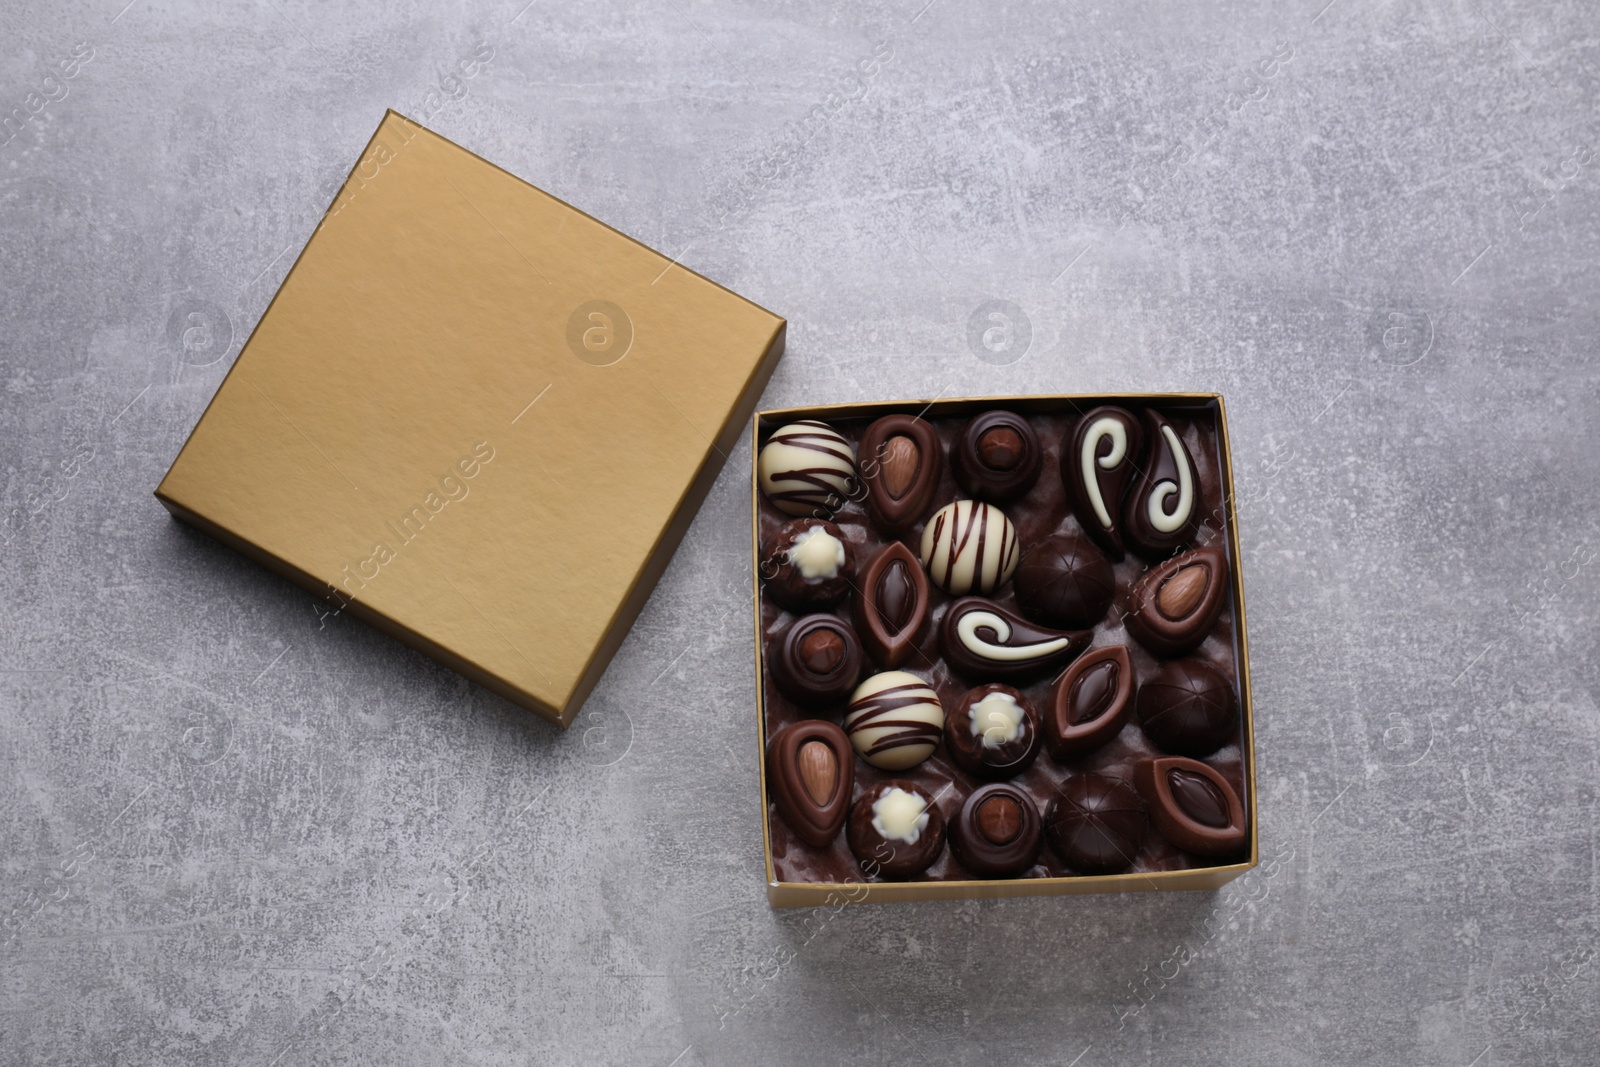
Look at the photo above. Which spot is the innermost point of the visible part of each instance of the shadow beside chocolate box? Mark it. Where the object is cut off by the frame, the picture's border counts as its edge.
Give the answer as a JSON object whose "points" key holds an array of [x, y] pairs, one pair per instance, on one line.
{"points": [[1000, 649]]}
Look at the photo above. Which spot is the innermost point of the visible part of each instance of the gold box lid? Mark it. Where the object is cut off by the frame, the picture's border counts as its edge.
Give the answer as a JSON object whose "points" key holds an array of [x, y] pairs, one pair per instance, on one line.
{"points": [[476, 418]]}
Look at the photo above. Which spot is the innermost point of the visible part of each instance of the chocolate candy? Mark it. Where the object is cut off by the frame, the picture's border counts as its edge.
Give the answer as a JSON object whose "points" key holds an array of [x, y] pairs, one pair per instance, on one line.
{"points": [[1098, 460], [993, 733], [1175, 604], [891, 605], [816, 661], [982, 639], [998, 831], [996, 456], [1096, 824], [806, 468], [900, 464], [1187, 708], [1163, 506], [969, 546], [1089, 702], [1192, 805], [895, 830], [894, 720], [1064, 581], [811, 770], [808, 564]]}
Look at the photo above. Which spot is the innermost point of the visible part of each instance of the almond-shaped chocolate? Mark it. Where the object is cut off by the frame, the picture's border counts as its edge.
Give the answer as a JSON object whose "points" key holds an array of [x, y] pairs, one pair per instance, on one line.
{"points": [[811, 771], [1175, 604], [996, 456], [816, 660], [900, 464], [1098, 460], [997, 832], [1192, 805], [993, 733], [1089, 703], [891, 605], [984, 640], [1162, 511]]}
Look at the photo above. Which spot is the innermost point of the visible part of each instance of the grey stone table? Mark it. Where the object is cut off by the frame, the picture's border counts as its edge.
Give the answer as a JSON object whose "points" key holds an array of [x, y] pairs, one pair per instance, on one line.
{"points": [[233, 832]]}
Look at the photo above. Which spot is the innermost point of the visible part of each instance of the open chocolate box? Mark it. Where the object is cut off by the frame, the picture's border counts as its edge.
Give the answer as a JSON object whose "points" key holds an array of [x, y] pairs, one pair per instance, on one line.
{"points": [[1000, 649]]}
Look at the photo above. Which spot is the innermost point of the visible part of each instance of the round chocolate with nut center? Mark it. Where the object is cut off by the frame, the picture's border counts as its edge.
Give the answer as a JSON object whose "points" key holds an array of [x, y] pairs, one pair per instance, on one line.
{"points": [[1000, 820], [1000, 448], [821, 650]]}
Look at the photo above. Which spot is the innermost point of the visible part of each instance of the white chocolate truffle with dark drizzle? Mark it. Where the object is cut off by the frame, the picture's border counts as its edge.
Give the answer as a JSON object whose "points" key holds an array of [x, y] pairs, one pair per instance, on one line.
{"points": [[894, 720], [969, 547], [806, 468]]}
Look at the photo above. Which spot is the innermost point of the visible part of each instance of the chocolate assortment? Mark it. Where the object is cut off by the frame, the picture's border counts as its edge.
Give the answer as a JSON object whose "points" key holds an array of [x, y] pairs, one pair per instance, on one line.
{"points": [[1019, 623]]}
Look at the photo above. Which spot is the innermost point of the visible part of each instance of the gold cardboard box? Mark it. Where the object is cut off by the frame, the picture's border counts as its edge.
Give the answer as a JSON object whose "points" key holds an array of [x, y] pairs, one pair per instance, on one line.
{"points": [[476, 418], [812, 894]]}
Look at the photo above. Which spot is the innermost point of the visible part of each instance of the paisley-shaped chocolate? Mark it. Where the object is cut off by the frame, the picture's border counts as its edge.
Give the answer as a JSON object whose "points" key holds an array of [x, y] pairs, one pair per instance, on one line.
{"points": [[1174, 605], [811, 771], [900, 464], [1089, 703], [969, 547], [807, 564], [806, 468], [816, 660], [895, 830], [982, 639], [1162, 511], [891, 605], [993, 733], [894, 720], [1098, 460], [1192, 805], [996, 456], [997, 832]]}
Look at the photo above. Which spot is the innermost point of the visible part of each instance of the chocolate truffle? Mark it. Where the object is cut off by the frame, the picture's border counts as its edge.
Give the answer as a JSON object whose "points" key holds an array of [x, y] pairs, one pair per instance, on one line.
{"points": [[998, 831], [1064, 581], [996, 456], [901, 460], [1192, 805], [810, 771], [969, 547], [993, 732], [1187, 708], [1162, 512], [982, 639], [806, 468], [816, 660], [894, 720], [1175, 604], [891, 605], [1098, 460], [1089, 702], [895, 830], [808, 564], [1096, 824]]}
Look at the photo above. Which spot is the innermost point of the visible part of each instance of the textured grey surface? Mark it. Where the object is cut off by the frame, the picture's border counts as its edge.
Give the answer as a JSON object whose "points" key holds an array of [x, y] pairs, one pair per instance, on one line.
{"points": [[233, 833]]}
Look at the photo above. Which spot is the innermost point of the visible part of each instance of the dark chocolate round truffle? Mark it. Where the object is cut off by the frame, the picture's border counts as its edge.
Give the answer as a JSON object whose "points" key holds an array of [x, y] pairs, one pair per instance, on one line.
{"points": [[816, 661], [1064, 581], [996, 456], [894, 830], [807, 564], [1096, 824], [993, 733], [1187, 708], [997, 832]]}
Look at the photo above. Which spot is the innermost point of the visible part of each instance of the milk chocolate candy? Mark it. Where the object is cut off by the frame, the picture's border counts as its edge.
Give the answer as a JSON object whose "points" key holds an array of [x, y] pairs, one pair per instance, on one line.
{"points": [[811, 771], [1192, 805], [891, 605], [1174, 605], [901, 460], [1098, 460], [1089, 703]]}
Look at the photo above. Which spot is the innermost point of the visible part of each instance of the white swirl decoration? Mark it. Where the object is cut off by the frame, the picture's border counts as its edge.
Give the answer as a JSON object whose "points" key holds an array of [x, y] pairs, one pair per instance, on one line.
{"points": [[1102, 428], [967, 628], [1155, 509]]}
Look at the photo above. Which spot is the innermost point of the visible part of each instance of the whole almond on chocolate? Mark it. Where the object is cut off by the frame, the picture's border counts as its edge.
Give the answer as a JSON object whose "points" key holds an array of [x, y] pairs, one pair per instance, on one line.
{"points": [[1176, 604], [819, 771], [902, 460], [1180, 593], [899, 465]]}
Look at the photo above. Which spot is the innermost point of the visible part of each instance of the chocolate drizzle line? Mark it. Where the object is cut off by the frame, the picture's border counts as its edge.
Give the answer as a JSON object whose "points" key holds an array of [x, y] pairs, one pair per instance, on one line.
{"points": [[824, 493], [869, 714]]}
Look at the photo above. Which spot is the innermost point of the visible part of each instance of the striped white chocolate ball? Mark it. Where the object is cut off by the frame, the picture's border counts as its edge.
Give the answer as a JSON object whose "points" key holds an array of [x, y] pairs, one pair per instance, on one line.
{"points": [[806, 469], [970, 547], [894, 720]]}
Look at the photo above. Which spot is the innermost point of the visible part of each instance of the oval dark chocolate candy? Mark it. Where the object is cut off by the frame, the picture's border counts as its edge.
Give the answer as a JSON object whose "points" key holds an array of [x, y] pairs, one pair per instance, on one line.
{"points": [[1089, 702], [1174, 605], [1192, 805], [982, 639], [993, 733], [996, 456], [1098, 460], [1064, 581], [1096, 824], [900, 463], [1187, 708], [811, 772], [816, 660], [1163, 507], [997, 832], [895, 830], [891, 605]]}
